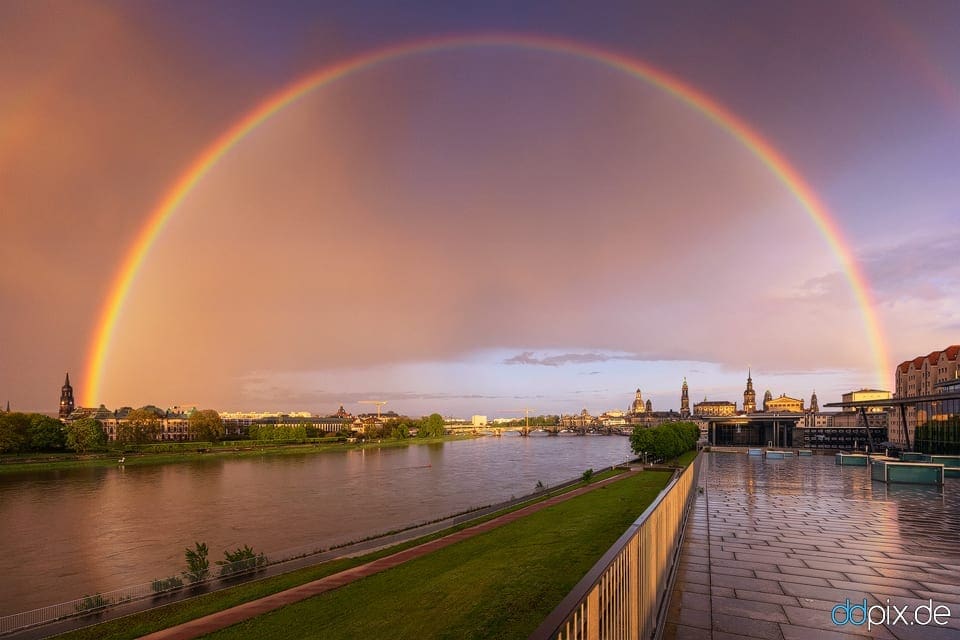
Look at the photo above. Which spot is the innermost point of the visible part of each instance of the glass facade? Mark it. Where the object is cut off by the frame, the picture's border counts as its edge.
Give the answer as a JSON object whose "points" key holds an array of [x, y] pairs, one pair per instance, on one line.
{"points": [[938, 423]]}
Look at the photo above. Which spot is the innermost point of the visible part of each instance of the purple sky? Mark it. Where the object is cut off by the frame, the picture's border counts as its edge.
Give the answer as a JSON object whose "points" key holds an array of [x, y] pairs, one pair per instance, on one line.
{"points": [[480, 229]]}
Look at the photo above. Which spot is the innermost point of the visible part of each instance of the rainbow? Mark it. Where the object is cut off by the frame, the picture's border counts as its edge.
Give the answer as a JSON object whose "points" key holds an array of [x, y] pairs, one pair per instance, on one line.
{"points": [[763, 150]]}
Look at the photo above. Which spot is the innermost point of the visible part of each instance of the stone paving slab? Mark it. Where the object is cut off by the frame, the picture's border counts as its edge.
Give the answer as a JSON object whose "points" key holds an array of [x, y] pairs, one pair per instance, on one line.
{"points": [[772, 547]]}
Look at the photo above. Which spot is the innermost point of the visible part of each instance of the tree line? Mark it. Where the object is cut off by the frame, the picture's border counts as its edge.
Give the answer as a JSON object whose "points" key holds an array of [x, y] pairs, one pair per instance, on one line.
{"points": [[36, 432]]}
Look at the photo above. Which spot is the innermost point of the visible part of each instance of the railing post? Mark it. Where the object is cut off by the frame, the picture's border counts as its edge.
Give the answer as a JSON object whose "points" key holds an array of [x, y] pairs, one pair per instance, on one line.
{"points": [[593, 614]]}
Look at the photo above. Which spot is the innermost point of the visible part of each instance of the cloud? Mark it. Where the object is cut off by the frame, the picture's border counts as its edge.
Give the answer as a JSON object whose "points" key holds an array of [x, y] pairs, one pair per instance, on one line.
{"points": [[529, 357]]}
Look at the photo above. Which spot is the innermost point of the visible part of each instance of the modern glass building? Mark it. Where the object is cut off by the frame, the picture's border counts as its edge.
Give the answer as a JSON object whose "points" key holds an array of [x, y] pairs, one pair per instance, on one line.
{"points": [[938, 421]]}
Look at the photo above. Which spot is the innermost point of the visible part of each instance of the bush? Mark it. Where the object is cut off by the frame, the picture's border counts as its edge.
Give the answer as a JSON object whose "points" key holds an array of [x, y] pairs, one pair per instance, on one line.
{"points": [[587, 475], [240, 561], [198, 567], [92, 603]]}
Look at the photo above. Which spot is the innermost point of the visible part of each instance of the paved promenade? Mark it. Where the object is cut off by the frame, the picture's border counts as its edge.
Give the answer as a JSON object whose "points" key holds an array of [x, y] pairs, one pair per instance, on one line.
{"points": [[772, 548]]}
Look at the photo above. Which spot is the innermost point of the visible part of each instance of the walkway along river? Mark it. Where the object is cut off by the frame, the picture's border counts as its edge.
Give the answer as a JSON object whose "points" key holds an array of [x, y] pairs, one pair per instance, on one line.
{"points": [[70, 533]]}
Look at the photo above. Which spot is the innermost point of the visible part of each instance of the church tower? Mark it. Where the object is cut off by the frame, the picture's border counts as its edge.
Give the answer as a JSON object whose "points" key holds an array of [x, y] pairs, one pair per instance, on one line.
{"points": [[66, 398], [767, 397], [684, 400], [649, 406], [814, 403], [637, 406], [749, 396]]}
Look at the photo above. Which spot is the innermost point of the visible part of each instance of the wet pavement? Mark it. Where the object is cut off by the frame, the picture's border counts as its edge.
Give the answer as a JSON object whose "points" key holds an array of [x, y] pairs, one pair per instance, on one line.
{"points": [[777, 548]]}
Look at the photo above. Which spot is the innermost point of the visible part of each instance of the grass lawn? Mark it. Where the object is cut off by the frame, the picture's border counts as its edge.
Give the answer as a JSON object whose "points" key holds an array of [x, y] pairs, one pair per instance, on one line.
{"points": [[500, 584], [138, 624]]}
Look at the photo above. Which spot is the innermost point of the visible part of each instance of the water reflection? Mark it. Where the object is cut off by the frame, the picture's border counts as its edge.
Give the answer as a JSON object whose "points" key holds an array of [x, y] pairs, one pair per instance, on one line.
{"points": [[67, 533], [920, 518]]}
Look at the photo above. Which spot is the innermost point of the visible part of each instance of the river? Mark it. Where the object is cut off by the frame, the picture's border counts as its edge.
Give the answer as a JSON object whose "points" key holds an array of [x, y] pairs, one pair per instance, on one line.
{"points": [[68, 533]]}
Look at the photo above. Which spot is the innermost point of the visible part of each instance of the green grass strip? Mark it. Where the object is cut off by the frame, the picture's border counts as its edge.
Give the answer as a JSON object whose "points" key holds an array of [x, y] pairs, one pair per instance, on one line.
{"points": [[138, 624], [500, 584]]}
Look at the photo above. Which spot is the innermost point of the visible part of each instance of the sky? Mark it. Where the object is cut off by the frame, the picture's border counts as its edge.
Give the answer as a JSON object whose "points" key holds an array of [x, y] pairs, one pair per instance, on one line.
{"points": [[478, 228]]}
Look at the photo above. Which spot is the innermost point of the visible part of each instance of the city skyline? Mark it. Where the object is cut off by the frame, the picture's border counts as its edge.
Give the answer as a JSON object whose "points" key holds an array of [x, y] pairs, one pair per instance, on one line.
{"points": [[466, 211], [67, 404]]}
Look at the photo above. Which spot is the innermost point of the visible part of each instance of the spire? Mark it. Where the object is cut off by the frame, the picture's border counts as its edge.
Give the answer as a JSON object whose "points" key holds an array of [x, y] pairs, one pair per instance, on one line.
{"points": [[66, 398], [684, 399]]}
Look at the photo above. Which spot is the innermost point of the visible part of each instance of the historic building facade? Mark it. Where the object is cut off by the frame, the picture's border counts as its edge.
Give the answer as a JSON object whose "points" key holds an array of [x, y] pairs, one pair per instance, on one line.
{"points": [[714, 409], [867, 394], [783, 404]]}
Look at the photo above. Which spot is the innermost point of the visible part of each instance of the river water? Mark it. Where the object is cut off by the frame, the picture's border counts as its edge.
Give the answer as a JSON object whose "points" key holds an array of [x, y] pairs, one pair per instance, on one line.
{"points": [[65, 534]]}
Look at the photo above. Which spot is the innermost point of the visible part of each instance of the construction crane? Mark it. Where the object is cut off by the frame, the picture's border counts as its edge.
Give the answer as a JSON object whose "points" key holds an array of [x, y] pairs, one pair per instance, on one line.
{"points": [[526, 412], [379, 404]]}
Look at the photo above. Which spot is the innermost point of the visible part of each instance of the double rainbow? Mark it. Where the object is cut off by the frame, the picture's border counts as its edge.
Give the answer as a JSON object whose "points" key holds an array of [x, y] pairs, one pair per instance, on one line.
{"points": [[692, 97]]}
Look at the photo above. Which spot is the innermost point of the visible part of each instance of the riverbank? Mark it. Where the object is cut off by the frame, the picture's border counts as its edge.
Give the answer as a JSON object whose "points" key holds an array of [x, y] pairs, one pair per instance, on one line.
{"points": [[64, 461], [499, 583], [138, 624]]}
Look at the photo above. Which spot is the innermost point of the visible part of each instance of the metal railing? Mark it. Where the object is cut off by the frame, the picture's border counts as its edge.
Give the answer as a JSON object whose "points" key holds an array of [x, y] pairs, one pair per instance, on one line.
{"points": [[96, 604], [624, 594]]}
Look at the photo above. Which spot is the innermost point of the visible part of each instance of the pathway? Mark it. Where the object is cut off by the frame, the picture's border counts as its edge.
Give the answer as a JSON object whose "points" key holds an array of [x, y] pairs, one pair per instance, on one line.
{"points": [[772, 547]]}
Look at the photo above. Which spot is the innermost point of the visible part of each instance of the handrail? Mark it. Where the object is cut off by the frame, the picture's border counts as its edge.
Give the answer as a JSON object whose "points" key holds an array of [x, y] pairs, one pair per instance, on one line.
{"points": [[622, 594]]}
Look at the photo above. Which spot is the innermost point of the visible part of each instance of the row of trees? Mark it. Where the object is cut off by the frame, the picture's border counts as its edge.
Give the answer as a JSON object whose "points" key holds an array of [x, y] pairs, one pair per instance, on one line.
{"points": [[22, 432], [278, 432], [431, 426], [35, 432], [667, 441]]}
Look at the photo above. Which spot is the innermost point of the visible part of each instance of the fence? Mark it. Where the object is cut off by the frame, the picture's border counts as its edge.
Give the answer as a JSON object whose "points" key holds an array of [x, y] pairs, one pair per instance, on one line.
{"points": [[623, 595]]}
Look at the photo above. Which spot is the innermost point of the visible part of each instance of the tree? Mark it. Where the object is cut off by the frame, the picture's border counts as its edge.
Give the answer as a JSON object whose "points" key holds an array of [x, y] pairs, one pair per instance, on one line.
{"points": [[400, 432], [433, 426], [198, 566], [641, 440], [140, 426], [46, 433], [14, 432], [206, 426], [85, 434], [667, 441]]}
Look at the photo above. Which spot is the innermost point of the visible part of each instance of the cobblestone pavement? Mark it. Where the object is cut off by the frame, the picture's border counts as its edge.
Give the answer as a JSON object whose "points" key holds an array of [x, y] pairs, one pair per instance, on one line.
{"points": [[774, 546]]}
